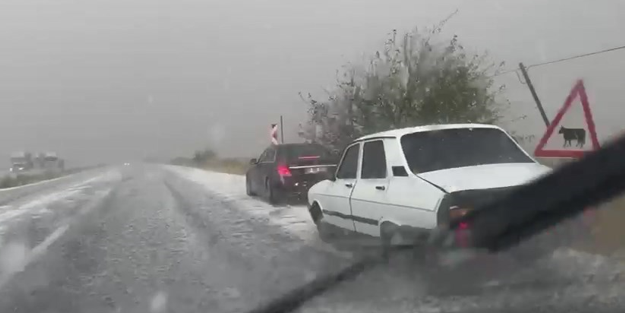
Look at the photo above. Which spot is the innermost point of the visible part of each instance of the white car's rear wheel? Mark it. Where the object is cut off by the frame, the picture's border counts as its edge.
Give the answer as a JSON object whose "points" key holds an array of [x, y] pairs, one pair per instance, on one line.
{"points": [[387, 236], [392, 239], [324, 230]]}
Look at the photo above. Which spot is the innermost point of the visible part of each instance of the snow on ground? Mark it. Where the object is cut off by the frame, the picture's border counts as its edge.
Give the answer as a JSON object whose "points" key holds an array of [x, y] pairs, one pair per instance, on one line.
{"points": [[292, 218], [296, 220], [587, 266]]}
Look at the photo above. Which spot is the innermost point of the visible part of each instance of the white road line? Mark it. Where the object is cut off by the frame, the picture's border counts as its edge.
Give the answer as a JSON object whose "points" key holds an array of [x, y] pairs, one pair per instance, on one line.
{"points": [[37, 251]]}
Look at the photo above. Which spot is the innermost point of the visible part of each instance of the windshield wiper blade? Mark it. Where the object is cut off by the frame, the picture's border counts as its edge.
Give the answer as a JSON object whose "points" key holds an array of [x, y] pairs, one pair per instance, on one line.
{"points": [[563, 194], [296, 297], [550, 200]]}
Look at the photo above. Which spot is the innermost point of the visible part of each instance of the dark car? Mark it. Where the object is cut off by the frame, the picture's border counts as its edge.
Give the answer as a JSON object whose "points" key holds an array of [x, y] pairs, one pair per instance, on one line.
{"points": [[286, 171]]}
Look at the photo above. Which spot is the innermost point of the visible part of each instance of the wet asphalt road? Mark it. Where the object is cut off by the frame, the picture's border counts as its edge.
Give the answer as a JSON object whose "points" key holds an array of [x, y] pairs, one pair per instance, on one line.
{"points": [[146, 239]]}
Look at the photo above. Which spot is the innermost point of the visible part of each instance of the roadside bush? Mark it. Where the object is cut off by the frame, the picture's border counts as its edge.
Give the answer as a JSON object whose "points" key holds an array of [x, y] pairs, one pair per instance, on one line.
{"points": [[25, 179], [209, 160]]}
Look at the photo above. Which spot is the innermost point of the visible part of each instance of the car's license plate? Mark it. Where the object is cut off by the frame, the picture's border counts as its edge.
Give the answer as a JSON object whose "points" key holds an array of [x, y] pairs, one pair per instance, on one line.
{"points": [[314, 170]]}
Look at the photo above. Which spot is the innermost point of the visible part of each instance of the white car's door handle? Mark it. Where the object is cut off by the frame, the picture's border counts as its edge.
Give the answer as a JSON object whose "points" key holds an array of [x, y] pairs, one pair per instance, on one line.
{"points": [[349, 185], [380, 187]]}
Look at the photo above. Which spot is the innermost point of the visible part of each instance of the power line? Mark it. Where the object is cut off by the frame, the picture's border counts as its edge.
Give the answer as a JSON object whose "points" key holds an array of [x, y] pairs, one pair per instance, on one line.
{"points": [[577, 56], [564, 59]]}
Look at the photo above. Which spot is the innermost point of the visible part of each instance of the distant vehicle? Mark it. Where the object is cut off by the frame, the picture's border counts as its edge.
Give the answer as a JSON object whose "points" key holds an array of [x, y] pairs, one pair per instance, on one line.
{"points": [[18, 167], [49, 161], [21, 161], [126, 164], [288, 170], [401, 184]]}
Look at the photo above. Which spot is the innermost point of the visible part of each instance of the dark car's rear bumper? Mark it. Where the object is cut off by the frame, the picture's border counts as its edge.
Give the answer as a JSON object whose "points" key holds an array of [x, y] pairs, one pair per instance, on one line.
{"points": [[296, 186]]}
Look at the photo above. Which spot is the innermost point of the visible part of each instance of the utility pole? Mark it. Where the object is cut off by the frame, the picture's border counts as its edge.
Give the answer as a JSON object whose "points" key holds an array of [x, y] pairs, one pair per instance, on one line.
{"points": [[281, 129], [534, 95]]}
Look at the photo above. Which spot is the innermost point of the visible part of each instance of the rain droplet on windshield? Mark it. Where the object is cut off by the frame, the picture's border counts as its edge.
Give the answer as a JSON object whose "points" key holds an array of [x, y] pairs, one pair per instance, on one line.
{"points": [[158, 303]]}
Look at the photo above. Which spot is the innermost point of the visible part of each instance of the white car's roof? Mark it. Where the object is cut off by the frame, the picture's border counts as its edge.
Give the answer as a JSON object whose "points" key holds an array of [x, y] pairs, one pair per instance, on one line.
{"points": [[426, 128]]}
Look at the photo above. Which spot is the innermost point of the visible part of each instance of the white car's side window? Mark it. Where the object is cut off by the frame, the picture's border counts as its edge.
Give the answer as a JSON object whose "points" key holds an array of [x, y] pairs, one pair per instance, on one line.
{"points": [[373, 160], [349, 164]]}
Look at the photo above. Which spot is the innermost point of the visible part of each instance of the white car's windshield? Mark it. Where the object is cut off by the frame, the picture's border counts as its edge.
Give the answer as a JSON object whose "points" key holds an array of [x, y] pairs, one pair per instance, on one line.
{"points": [[452, 148]]}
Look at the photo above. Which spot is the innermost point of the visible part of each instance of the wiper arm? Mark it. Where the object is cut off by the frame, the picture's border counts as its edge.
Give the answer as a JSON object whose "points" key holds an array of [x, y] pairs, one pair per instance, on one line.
{"points": [[532, 208]]}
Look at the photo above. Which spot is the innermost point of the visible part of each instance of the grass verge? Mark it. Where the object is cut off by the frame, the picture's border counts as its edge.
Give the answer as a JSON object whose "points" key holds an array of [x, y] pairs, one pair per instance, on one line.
{"points": [[230, 166], [236, 166], [607, 225], [607, 230]]}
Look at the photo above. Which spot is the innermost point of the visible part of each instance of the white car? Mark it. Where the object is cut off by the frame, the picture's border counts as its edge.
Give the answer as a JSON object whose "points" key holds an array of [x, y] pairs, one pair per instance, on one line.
{"points": [[403, 183]]}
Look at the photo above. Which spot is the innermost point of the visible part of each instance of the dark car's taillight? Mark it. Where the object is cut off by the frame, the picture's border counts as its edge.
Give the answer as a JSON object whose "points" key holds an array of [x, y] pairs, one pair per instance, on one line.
{"points": [[284, 170]]}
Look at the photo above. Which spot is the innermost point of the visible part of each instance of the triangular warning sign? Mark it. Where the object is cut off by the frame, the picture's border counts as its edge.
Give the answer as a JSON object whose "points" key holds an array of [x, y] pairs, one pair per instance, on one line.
{"points": [[568, 134]]}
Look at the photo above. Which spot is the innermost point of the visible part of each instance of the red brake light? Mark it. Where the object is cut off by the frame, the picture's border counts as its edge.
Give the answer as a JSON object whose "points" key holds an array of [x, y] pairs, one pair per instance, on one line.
{"points": [[283, 170]]}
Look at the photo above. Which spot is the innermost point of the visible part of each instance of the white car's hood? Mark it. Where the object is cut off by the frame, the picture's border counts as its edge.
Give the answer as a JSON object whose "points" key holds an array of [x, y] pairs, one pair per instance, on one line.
{"points": [[485, 176]]}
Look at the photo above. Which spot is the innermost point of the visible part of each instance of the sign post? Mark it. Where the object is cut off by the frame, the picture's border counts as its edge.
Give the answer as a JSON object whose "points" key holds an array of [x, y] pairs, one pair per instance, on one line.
{"points": [[281, 130], [572, 131], [534, 94]]}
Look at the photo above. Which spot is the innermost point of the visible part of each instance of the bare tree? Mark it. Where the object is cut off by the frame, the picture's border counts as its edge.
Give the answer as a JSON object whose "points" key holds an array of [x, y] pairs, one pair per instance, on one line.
{"points": [[415, 79]]}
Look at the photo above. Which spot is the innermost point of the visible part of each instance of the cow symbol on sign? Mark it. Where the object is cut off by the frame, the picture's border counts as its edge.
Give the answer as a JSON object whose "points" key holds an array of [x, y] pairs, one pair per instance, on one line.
{"points": [[570, 134]]}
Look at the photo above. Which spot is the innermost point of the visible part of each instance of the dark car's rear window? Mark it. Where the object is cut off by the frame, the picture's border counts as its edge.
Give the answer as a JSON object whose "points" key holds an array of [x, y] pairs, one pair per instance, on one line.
{"points": [[296, 152]]}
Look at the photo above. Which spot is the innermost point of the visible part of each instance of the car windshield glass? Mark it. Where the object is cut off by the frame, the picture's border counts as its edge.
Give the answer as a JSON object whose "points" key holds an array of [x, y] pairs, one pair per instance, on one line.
{"points": [[452, 148], [209, 156], [306, 152]]}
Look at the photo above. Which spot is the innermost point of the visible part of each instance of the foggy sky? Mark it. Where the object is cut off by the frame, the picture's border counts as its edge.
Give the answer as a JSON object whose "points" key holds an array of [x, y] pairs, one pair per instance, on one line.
{"points": [[115, 80]]}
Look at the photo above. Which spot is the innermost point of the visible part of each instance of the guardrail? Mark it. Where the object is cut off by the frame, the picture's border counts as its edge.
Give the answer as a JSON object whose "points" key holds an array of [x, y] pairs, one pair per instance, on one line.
{"points": [[14, 193]]}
